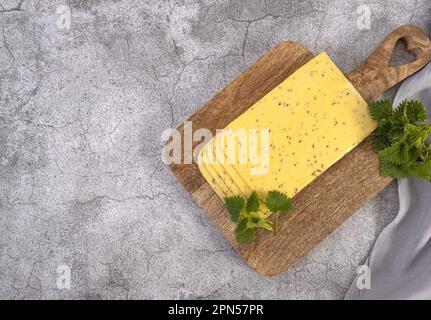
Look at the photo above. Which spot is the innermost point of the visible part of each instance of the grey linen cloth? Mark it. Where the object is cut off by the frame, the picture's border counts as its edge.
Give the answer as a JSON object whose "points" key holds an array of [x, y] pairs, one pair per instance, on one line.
{"points": [[400, 261]]}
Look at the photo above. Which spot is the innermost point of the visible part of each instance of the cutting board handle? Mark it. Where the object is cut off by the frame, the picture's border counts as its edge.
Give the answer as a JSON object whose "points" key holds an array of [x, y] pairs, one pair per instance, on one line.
{"points": [[375, 75]]}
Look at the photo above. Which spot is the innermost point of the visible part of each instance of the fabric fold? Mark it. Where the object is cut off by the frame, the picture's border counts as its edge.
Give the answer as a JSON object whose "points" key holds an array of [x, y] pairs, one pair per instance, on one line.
{"points": [[400, 260]]}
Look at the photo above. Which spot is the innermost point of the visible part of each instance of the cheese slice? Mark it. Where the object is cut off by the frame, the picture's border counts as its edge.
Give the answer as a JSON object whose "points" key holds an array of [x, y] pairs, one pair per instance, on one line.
{"points": [[219, 188], [237, 183], [314, 117], [222, 183], [215, 181]]}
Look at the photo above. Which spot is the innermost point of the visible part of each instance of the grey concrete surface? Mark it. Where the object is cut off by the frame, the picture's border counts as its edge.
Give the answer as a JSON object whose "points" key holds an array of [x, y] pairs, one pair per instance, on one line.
{"points": [[82, 109]]}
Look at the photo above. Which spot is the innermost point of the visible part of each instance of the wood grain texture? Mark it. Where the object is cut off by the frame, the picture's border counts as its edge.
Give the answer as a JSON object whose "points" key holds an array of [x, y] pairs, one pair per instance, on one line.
{"points": [[337, 193], [375, 76]]}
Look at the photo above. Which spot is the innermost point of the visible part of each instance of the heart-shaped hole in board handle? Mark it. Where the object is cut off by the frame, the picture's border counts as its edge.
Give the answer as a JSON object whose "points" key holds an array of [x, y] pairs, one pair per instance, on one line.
{"points": [[414, 41], [400, 55], [375, 75]]}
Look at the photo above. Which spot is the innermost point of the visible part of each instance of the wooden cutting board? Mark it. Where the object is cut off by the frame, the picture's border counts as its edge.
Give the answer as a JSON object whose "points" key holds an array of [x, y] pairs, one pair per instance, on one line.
{"points": [[337, 193]]}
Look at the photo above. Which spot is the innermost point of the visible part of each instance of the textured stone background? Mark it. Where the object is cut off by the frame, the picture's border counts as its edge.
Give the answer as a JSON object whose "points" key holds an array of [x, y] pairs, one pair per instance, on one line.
{"points": [[82, 109]]}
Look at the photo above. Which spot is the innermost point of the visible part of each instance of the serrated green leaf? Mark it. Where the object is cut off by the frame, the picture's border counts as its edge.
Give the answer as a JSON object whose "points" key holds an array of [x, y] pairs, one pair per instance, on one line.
{"points": [[414, 110], [243, 233], [276, 201], [392, 154], [380, 110], [416, 135], [242, 225], [252, 203], [400, 139], [396, 130], [259, 222], [400, 114], [381, 137], [423, 170], [234, 205], [394, 171], [264, 224]]}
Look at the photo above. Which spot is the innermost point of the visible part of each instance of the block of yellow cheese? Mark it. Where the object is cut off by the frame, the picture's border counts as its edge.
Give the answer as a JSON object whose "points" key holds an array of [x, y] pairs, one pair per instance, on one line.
{"points": [[313, 118]]}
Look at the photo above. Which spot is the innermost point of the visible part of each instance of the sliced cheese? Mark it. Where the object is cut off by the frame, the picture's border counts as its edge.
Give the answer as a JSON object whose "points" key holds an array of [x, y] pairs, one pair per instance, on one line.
{"points": [[314, 118], [214, 180], [237, 183], [223, 184]]}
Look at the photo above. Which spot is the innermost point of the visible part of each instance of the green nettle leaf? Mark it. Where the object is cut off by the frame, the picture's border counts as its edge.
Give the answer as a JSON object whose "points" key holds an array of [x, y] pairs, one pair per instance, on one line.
{"points": [[242, 225], [423, 170], [400, 114], [400, 139], [417, 135], [258, 222], [394, 171], [382, 140], [262, 223], [243, 233], [414, 110], [392, 154], [276, 201], [252, 203], [396, 131], [250, 219], [234, 205], [380, 110]]}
